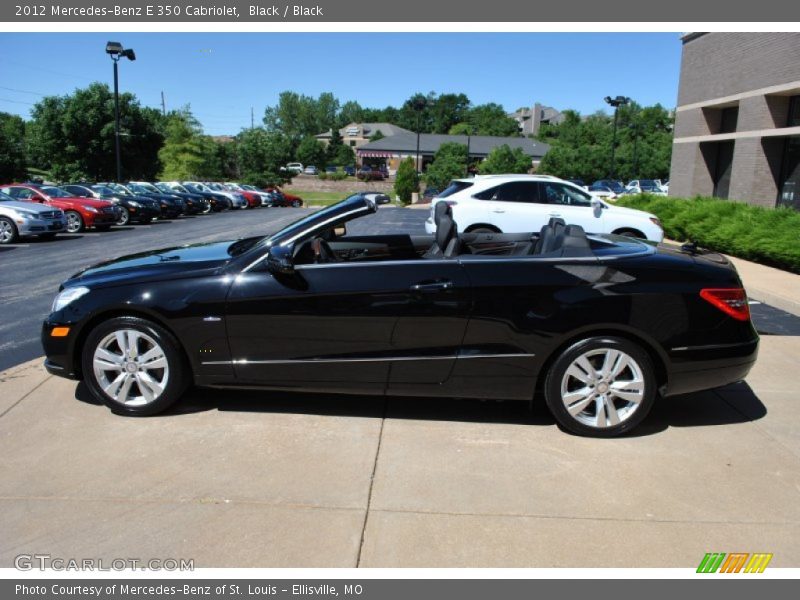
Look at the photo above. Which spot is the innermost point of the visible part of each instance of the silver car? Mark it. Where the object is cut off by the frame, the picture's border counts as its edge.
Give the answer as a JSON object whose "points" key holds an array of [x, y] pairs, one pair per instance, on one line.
{"points": [[19, 219]]}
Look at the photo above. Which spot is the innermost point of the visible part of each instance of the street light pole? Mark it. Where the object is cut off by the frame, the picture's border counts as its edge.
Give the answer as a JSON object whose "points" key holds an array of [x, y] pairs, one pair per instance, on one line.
{"points": [[419, 103], [116, 118], [615, 103], [116, 51]]}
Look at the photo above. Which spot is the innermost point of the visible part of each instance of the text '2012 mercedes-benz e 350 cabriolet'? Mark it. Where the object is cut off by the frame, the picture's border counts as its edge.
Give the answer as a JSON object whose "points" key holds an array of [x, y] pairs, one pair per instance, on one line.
{"points": [[600, 326]]}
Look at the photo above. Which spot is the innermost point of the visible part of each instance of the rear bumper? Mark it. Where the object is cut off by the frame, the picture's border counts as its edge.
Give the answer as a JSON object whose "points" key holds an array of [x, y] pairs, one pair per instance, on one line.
{"points": [[706, 367]]}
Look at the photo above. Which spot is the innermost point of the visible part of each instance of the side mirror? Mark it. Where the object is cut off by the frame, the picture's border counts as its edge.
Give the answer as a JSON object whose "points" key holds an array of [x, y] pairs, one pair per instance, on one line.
{"points": [[597, 206], [340, 230], [280, 260]]}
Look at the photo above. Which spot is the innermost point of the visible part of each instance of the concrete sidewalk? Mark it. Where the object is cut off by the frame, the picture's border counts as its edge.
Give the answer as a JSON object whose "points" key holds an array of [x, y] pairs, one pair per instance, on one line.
{"points": [[777, 288], [233, 478]]}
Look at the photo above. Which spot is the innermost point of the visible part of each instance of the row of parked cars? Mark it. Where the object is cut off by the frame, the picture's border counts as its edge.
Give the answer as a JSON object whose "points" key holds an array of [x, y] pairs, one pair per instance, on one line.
{"points": [[365, 173], [34, 209], [611, 189]]}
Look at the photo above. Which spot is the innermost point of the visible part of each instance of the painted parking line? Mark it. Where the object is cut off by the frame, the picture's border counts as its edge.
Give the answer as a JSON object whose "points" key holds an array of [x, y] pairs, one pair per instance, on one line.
{"points": [[15, 245]]}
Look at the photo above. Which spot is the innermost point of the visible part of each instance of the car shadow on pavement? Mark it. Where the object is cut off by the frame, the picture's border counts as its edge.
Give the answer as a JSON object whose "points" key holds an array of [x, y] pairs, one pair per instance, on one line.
{"points": [[59, 238], [732, 404]]}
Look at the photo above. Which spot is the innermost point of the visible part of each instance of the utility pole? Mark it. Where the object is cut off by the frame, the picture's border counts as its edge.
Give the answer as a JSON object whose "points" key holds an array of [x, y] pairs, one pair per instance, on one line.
{"points": [[252, 119], [615, 103], [163, 104]]}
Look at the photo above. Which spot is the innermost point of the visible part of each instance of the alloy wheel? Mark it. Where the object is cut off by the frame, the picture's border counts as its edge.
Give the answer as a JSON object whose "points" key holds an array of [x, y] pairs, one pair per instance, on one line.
{"points": [[131, 367], [7, 233], [74, 222], [603, 387], [124, 216]]}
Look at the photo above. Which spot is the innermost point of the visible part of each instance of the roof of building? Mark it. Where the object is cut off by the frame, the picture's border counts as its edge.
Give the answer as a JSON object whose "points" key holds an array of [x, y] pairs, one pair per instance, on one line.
{"points": [[429, 143], [366, 130]]}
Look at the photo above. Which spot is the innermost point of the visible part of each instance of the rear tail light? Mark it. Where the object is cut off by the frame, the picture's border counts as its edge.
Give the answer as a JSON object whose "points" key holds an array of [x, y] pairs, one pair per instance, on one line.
{"points": [[731, 301]]}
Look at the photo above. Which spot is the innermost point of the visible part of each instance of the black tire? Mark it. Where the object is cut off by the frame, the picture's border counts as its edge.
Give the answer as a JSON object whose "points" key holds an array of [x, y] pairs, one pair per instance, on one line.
{"points": [[124, 216], [631, 233], [629, 414], [8, 231], [296, 204], [75, 223], [177, 380]]}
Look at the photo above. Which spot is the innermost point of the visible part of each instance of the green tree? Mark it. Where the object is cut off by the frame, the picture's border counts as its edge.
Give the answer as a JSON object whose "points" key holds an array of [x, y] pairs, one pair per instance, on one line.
{"points": [[311, 152], [345, 156], [297, 116], [378, 135], [407, 180], [13, 164], [334, 145], [185, 154], [261, 155], [486, 119], [351, 112], [502, 159], [449, 162], [72, 136]]}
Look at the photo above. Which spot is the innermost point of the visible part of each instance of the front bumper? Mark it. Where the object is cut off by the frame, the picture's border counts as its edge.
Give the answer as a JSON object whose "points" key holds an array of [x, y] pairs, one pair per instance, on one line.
{"points": [[59, 351], [144, 213], [40, 226]]}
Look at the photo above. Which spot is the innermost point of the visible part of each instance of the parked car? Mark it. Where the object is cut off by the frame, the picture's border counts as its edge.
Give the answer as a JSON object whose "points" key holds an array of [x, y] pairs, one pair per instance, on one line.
{"points": [[236, 198], [367, 173], [293, 166], [578, 182], [602, 191], [331, 169], [80, 213], [613, 185], [21, 219], [350, 170], [644, 186], [253, 198], [219, 202], [132, 209], [194, 204], [519, 203], [171, 206], [311, 170], [556, 313], [266, 197], [282, 198]]}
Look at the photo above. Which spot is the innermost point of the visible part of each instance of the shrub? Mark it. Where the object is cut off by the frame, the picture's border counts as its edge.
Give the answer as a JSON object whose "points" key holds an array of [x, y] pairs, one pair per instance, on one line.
{"points": [[407, 181], [323, 175], [763, 235]]}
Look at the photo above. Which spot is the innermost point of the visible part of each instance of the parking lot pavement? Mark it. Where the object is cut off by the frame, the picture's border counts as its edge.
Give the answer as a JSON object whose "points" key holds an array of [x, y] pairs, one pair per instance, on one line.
{"points": [[31, 271], [233, 478]]}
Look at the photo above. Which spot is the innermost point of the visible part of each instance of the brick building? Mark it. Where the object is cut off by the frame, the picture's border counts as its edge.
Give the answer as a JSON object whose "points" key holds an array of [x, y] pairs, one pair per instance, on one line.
{"points": [[737, 125]]}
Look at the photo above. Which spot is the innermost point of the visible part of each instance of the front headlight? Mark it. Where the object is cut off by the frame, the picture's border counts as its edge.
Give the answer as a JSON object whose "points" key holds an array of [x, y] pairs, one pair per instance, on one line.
{"points": [[92, 209], [68, 296], [27, 215]]}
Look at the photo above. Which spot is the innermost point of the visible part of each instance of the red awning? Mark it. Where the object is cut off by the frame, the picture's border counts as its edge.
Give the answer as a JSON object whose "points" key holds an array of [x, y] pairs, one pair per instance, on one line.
{"points": [[366, 154]]}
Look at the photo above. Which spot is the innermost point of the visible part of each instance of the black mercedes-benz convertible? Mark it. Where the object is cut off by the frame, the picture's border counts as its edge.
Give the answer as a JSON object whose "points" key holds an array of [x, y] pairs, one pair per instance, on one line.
{"points": [[598, 325]]}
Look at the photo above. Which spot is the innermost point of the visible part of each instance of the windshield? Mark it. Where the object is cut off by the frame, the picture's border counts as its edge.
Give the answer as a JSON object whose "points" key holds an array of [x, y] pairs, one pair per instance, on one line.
{"points": [[455, 186], [196, 187], [216, 186], [163, 187], [647, 183], [138, 189], [149, 187], [120, 189], [103, 190], [55, 192]]}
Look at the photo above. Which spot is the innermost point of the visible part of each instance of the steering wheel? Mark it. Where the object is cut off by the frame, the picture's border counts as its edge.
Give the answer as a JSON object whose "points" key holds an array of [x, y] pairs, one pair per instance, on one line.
{"points": [[322, 251]]}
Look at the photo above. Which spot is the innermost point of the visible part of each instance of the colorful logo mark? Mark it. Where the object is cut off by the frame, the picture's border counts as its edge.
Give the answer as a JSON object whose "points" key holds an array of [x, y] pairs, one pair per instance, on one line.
{"points": [[735, 562]]}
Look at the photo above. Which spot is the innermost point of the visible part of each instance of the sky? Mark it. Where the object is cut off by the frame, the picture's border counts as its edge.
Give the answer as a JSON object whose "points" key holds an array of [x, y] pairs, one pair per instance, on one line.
{"points": [[223, 75]]}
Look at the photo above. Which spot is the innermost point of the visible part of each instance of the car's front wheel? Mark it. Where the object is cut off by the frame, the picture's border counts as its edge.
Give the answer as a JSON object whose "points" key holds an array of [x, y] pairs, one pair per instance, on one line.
{"points": [[601, 386], [74, 221], [124, 216], [134, 366]]}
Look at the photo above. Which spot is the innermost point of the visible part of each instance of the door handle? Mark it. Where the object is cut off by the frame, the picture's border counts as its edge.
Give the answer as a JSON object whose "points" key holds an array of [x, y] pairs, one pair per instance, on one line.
{"points": [[555, 214], [499, 211], [433, 286]]}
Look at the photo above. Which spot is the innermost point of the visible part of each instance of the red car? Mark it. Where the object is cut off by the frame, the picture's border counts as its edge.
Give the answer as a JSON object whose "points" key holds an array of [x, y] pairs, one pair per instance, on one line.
{"points": [[253, 199], [286, 199], [80, 212]]}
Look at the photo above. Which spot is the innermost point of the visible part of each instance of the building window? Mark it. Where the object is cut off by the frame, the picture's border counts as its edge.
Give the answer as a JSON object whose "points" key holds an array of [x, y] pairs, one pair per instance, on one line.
{"points": [[352, 143], [794, 112], [728, 119], [789, 189]]}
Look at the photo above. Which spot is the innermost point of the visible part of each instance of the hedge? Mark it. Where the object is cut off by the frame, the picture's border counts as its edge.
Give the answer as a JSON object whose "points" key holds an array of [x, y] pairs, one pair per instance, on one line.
{"points": [[764, 235]]}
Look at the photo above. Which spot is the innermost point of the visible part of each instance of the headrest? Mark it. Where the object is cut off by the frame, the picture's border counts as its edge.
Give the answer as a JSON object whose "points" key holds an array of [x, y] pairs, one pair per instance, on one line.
{"points": [[445, 231], [441, 209]]}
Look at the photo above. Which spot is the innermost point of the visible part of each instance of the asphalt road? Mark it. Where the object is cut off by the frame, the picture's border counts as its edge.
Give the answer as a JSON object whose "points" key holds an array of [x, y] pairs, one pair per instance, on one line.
{"points": [[31, 271]]}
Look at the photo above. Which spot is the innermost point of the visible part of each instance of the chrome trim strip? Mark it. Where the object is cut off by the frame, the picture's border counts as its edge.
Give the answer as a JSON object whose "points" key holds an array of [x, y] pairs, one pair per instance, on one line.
{"points": [[709, 347], [244, 361]]}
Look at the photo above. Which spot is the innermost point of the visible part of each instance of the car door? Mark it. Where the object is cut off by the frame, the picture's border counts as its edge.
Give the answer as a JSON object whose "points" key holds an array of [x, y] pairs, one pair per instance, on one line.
{"points": [[514, 207], [571, 204], [348, 326]]}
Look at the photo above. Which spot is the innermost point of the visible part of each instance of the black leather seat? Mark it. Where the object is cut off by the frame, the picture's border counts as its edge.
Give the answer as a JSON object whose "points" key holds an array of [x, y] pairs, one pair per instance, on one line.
{"points": [[446, 242]]}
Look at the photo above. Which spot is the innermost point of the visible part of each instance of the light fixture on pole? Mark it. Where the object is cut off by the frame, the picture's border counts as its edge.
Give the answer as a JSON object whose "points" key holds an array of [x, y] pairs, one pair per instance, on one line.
{"points": [[116, 51], [615, 103], [419, 103]]}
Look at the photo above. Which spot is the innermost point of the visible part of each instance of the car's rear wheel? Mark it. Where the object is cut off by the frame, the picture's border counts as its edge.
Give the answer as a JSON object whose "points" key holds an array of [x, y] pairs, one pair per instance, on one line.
{"points": [[296, 203], [134, 366], [8, 231], [75, 222], [124, 216], [601, 386]]}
